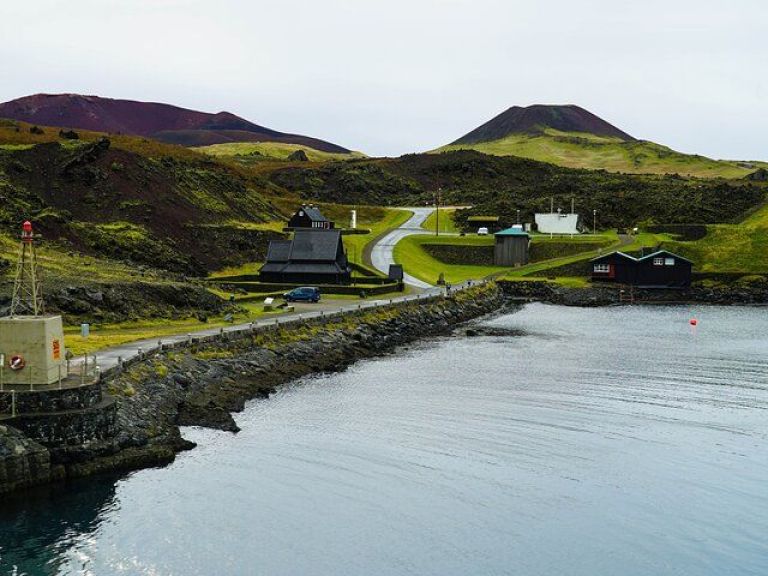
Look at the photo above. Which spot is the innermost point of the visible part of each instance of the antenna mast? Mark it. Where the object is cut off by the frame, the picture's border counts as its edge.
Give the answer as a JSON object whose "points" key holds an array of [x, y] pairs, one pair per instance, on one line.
{"points": [[27, 290]]}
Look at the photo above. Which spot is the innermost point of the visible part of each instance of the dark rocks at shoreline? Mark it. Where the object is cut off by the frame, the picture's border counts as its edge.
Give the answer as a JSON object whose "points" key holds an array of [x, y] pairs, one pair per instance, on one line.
{"points": [[202, 384], [755, 293]]}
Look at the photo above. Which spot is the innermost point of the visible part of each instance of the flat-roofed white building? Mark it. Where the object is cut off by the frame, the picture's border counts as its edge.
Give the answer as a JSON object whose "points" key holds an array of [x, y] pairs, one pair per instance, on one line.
{"points": [[557, 223]]}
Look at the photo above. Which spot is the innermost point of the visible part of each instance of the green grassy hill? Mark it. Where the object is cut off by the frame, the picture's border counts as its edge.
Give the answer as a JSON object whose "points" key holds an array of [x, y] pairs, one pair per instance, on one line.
{"points": [[583, 150], [249, 152], [735, 248]]}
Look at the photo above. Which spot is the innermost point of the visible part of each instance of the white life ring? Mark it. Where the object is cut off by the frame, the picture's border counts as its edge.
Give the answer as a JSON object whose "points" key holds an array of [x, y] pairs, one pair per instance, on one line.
{"points": [[16, 362]]}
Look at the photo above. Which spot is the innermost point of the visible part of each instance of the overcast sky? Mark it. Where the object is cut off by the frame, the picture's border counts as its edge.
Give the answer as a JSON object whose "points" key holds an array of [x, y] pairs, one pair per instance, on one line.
{"points": [[395, 76]]}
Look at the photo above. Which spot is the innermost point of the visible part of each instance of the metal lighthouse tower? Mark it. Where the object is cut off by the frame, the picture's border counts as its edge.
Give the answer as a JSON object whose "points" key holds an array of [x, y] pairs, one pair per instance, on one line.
{"points": [[27, 290]]}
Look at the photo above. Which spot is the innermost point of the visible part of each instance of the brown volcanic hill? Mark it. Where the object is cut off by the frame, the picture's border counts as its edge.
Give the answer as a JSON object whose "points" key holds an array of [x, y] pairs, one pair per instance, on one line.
{"points": [[537, 118], [162, 122]]}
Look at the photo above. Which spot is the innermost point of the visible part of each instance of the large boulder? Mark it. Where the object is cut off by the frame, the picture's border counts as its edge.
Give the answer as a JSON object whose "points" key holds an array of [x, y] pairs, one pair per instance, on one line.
{"points": [[298, 156]]}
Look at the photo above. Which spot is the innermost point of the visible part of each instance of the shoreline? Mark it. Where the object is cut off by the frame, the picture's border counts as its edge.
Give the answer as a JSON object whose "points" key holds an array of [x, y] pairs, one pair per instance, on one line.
{"points": [[201, 383]]}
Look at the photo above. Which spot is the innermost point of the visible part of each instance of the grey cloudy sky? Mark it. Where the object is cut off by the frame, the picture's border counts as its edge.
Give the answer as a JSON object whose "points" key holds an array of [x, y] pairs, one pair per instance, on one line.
{"points": [[396, 76]]}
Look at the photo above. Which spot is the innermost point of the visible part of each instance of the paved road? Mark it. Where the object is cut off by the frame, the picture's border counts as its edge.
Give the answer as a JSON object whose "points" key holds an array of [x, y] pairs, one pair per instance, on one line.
{"points": [[109, 357], [381, 254], [381, 257]]}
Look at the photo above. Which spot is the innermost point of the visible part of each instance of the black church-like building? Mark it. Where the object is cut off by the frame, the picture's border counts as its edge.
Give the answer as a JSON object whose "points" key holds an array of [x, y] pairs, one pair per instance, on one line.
{"points": [[313, 256]]}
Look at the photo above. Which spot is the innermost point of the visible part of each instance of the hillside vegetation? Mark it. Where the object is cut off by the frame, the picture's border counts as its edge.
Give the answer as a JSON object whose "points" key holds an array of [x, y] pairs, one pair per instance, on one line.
{"points": [[740, 248], [583, 150], [130, 199], [250, 152], [496, 185]]}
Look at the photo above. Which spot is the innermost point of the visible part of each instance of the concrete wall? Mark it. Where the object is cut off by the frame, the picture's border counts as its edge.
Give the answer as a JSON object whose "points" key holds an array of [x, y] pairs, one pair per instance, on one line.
{"points": [[40, 341], [52, 400], [70, 428]]}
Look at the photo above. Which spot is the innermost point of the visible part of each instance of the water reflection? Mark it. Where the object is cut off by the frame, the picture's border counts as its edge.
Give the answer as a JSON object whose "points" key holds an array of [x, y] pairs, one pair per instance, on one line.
{"points": [[554, 441], [39, 525]]}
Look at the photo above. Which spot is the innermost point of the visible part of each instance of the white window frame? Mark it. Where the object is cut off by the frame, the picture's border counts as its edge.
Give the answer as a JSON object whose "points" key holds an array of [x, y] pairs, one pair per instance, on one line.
{"points": [[669, 261], [601, 268], [658, 261]]}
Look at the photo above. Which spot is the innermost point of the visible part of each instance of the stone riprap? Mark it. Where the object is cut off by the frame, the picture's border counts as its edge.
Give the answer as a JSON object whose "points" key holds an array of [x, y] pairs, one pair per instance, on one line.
{"points": [[203, 381]]}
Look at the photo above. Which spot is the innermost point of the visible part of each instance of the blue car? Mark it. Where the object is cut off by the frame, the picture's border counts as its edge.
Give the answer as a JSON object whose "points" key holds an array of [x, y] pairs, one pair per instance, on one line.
{"points": [[303, 294]]}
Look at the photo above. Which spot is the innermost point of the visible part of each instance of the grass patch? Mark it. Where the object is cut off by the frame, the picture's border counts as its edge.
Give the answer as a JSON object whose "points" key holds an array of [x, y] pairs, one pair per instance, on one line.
{"points": [[109, 335], [446, 223], [259, 151], [582, 150]]}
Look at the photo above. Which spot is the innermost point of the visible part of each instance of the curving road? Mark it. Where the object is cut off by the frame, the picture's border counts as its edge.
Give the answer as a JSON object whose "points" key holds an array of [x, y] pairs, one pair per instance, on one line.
{"points": [[382, 252]]}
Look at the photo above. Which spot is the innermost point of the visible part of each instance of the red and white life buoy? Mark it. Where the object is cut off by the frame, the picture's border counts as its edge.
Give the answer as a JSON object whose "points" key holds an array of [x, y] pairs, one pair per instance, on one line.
{"points": [[17, 362]]}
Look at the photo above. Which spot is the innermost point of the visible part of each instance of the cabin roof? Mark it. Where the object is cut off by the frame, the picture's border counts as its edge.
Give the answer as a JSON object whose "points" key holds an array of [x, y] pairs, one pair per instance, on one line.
{"points": [[278, 251], [483, 219], [512, 232], [615, 253], [663, 252], [315, 244], [313, 213]]}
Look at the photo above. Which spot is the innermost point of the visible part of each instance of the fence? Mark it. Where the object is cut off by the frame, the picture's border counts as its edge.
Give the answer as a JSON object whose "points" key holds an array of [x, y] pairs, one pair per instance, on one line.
{"points": [[145, 349]]}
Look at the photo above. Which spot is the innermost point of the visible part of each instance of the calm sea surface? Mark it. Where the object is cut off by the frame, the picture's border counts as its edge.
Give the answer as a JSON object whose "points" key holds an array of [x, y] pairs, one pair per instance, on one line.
{"points": [[597, 442]]}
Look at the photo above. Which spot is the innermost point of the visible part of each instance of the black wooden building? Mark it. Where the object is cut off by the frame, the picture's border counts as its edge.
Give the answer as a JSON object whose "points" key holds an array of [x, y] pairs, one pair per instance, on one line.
{"points": [[660, 269], [313, 256], [309, 216]]}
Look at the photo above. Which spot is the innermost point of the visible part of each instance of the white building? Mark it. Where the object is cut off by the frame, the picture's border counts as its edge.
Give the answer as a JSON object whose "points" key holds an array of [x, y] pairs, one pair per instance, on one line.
{"points": [[557, 223]]}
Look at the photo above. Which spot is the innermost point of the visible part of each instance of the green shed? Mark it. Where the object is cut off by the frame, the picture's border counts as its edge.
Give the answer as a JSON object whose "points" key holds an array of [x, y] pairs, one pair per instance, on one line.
{"points": [[511, 247]]}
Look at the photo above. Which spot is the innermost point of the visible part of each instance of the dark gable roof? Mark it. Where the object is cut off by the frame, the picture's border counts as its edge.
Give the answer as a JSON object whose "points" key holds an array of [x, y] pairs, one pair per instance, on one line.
{"points": [[656, 254], [313, 213], [315, 244], [616, 253], [660, 253], [278, 251]]}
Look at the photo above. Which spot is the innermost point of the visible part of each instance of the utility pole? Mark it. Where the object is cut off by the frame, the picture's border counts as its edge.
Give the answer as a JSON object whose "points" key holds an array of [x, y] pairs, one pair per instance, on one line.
{"points": [[437, 212], [594, 221], [518, 216]]}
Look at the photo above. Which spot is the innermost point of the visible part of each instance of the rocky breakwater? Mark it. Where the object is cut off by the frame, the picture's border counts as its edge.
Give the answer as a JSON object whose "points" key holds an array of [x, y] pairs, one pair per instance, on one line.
{"points": [[748, 293], [201, 383]]}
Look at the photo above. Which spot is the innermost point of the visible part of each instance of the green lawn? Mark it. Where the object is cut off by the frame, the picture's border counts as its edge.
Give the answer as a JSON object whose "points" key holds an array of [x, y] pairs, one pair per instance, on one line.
{"points": [[581, 150], [741, 248], [108, 335], [419, 263], [356, 243], [272, 151], [446, 223]]}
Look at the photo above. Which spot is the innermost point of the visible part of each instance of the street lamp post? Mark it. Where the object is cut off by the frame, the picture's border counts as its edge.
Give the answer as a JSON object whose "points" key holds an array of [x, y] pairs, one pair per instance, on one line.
{"points": [[594, 221]]}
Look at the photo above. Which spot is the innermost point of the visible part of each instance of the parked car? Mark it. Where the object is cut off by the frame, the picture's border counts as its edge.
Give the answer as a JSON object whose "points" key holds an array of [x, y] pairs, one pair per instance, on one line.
{"points": [[482, 231], [303, 294]]}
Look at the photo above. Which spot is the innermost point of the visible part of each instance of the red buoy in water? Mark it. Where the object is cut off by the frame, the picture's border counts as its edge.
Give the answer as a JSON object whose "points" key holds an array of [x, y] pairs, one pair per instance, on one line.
{"points": [[693, 322]]}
